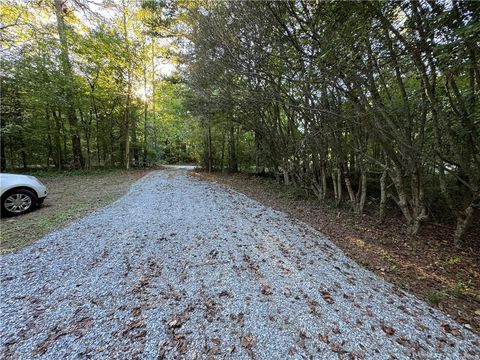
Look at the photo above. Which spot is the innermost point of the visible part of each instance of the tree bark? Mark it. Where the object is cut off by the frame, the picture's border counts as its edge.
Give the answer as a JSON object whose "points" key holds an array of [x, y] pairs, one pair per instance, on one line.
{"points": [[383, 196], [232, 151], [77, 161]]}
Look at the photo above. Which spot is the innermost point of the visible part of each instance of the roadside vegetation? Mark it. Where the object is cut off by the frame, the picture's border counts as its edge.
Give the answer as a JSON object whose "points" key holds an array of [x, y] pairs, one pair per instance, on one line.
{"points": [[353, 102], [88, 86]]}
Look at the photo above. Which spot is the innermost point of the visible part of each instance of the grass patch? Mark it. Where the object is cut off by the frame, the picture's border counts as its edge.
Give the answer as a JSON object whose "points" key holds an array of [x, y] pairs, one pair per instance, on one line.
{"points": [[17, 234], [55, 220], [72, 194], [458, 290], [454, 260], [434, 297], [71, 173]]}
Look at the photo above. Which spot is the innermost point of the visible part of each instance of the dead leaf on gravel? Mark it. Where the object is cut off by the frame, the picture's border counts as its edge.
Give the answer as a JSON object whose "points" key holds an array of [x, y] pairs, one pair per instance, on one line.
{"points": [[181, 343], [447, 328], [266, 289], [387, 329], [174, 323], [302, 337], [402, 340], [326, 296], [324, 337], [42, 348], [210, 310], [215, 350], [133, 325], [225, 293], [247, 342], [337, 348]]}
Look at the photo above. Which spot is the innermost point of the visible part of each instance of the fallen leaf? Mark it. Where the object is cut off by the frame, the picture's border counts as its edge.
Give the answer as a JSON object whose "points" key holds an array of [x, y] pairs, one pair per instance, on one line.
{"points": [[388, 329], [326, 296]]}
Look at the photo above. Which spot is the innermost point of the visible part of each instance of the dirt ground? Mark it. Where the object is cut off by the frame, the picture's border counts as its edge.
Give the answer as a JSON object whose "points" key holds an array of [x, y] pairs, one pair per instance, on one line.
{"points": [[426, 264], [70, 197]]}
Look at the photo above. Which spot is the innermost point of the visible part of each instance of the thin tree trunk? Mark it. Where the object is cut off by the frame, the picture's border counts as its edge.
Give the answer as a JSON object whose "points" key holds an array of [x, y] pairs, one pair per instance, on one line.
{"points": [[129, 87], [232, 153], [383, 195], [334, 183], [339, 186], [362, 192], [464, 219], [209, 149], [145, 110], [66, 65], [223, 152]]}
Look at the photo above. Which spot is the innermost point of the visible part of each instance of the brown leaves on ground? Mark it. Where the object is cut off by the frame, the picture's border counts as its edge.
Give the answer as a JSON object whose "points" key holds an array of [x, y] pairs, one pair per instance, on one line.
{"points": [[247, 342], [385, 248], [178, 320], [266, 289], [449, 329], [387, 329], [78, 328], [326, 296], [177, 339]]}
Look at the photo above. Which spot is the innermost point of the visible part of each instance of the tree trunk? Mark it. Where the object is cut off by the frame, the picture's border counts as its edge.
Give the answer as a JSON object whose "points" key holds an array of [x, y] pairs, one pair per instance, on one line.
{"points": [[334, 183], [135, 143], [127, 138], [223, 153], [232, 151], [259, 169], [402, 202], [464, 219], [339, 186], [286, 177], [129, 86], [77, 161], [323, 177], [210, 160], [145, 113], [383, 196], [58, 142], [362, 192]]}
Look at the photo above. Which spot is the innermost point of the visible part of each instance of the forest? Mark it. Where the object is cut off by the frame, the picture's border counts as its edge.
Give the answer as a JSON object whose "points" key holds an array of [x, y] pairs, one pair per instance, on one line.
{"points": [[88, 85], [350, 101]]}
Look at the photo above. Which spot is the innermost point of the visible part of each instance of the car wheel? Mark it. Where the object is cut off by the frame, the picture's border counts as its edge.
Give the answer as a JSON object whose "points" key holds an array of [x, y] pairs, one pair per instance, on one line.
{"points": [[18, 202]]}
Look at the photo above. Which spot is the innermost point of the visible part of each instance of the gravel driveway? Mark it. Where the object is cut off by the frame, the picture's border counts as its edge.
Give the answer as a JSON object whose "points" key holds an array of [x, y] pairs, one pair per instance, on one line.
{"points": [[180, 268]]}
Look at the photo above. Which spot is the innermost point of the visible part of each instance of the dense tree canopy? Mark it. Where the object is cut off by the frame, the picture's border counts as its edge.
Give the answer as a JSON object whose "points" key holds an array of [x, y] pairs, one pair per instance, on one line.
{"points": [[84, 85], [348, 100], [338, 97]]}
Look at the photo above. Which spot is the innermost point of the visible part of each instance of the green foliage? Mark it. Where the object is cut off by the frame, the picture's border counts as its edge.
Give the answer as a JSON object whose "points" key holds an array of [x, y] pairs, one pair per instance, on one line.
{"points": [[79, 94], [455, 260], [458, 290], [334, 92], [434, 297]]}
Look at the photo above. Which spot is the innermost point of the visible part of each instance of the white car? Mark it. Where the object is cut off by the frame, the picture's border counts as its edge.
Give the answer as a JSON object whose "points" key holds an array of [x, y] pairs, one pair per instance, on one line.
{"points": [[20, 193]]}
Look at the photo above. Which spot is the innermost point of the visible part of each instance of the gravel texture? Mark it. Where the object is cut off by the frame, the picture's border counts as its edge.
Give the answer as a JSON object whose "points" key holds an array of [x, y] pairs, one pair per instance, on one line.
{"points": [[180, 268]]}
